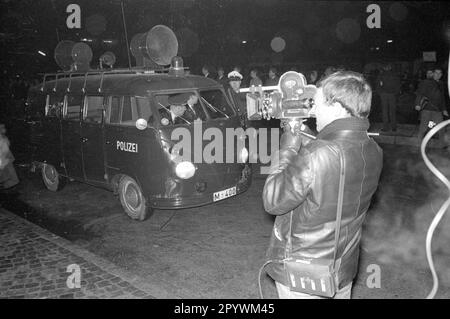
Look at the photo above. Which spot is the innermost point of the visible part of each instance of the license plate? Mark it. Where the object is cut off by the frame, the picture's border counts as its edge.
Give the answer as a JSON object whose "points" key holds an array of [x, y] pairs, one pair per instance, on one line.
{"points": [[224, 194]]}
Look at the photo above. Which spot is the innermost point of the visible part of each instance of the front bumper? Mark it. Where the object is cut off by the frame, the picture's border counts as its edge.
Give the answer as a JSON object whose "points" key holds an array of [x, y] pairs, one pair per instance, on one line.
{"points": [[202, 199]]}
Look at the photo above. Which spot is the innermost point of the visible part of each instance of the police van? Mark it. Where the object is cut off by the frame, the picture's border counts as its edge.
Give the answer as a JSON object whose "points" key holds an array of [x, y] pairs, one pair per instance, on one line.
{"points": [[112, 129]]}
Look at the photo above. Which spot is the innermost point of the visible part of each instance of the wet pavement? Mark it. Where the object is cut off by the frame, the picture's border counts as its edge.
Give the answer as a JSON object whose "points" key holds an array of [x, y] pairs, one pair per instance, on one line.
{"points": [[215, 251]]}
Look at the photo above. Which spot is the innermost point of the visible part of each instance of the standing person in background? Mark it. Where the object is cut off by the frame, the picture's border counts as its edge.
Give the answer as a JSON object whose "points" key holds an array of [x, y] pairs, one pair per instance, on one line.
{"points": [[273, 77], [19, 92], [8, 176], [328, 71], [313, 77], [206, 71], [255, 80], [238, 99], [238, 69], [221, 78], [389, 85], [430, 101], [429, 73]]}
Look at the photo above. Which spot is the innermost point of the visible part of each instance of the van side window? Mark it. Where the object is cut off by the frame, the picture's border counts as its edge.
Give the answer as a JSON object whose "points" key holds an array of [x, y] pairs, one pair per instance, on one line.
{"points": [[134, 108], [94, 109], [126, 110], [144, 111], [73, 107], [115, 110], [127, 115], [54, 105]]}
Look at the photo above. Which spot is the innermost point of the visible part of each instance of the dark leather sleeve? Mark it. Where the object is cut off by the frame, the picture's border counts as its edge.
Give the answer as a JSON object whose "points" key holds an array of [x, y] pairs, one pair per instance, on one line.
{"points": [[289, 181], [189, 115]]}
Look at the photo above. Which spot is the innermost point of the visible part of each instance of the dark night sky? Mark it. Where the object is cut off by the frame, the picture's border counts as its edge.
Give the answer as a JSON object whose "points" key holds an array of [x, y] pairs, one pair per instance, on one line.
{"points": [[212, 31]]}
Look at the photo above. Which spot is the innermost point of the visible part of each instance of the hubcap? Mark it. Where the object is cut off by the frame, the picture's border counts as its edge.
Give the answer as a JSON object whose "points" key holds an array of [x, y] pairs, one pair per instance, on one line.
{"points": [[132, 197], [50, 174]]}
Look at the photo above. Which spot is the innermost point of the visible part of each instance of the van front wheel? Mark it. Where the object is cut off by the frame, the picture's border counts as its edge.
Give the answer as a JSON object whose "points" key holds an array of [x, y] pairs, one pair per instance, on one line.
{"points": [[51, 178], [132, 199]]}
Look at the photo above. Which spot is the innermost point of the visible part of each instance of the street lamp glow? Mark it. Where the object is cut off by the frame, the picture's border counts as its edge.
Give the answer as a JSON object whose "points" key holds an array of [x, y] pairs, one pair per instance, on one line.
{"points": [[42, 53], [244, 42], [390, 41]]}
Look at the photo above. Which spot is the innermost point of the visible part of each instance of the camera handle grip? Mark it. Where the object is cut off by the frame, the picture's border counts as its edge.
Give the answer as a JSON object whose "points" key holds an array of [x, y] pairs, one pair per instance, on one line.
{"points": [[296, 126]]}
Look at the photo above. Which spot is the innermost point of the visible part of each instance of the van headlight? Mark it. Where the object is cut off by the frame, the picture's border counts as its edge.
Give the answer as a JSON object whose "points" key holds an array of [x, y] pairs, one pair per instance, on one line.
{"points": [[185, 170], [243, 156]]}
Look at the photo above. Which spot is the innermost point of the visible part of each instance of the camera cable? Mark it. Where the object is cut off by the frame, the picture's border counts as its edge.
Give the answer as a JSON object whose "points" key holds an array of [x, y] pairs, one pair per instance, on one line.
{"points": [[437, 218]]}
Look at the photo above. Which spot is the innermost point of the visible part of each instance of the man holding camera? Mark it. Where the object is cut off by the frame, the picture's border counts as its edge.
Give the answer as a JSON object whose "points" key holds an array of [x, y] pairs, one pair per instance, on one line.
{"points": [[308, 179]]}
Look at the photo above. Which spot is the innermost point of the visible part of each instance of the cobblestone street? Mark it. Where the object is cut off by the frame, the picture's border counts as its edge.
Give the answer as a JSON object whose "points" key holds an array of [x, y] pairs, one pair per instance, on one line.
{"points": [[33, 264]]}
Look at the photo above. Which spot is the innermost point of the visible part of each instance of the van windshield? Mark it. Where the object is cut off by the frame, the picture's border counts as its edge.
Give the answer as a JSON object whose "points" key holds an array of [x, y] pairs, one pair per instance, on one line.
{"points": [[216, 104], [179, 108]]}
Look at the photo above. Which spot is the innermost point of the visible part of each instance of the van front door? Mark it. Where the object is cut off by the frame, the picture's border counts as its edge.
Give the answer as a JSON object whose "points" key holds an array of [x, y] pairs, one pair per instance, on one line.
{"points": [[71, 136], [92, 139]]}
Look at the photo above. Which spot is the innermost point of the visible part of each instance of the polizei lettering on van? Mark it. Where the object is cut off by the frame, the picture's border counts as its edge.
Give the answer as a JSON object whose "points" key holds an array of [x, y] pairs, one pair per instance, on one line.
{"points": [[127, 147]]}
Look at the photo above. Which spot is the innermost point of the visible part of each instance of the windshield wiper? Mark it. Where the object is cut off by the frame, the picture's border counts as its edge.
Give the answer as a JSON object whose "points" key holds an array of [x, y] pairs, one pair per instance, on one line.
{"points": [[213, 108]]}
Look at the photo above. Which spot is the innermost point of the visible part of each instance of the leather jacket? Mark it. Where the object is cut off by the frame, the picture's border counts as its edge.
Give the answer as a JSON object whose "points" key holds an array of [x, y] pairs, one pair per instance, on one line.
{"points": [[305, 181]]}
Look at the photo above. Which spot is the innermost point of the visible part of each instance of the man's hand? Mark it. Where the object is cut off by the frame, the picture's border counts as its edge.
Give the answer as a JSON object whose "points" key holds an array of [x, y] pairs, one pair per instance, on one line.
{"points": [[417, 107], [294, 138], [445, 113], [290, 139]]}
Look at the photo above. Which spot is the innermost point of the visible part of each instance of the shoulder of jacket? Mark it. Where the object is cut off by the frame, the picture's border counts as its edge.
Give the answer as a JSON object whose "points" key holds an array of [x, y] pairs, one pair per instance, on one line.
{"points": [[320, 146]]}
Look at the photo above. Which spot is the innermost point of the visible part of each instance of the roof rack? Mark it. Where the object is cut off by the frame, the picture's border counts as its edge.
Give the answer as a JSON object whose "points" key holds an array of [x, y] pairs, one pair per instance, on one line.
{"points": [[102, 73]]}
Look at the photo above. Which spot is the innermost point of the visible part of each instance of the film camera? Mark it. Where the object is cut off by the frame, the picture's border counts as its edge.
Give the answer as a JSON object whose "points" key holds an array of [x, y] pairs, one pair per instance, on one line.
{"points": [[290, 101]]}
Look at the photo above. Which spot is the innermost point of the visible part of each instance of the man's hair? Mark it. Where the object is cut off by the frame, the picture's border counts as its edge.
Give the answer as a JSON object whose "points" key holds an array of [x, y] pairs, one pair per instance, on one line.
{"points": [[351, 90]]}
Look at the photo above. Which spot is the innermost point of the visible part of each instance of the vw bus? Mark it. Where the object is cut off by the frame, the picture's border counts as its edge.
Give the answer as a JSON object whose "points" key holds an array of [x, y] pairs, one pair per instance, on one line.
{"points": [[106, 128]]}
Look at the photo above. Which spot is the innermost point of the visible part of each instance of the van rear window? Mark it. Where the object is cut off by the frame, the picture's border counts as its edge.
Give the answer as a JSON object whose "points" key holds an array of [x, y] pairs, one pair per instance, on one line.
{"points": [[54, 105], [73, 107]]}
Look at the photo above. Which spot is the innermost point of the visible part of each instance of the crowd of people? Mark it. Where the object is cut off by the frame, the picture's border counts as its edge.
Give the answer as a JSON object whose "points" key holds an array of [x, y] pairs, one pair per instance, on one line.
{"points": [[255, 76], [431, 103]]}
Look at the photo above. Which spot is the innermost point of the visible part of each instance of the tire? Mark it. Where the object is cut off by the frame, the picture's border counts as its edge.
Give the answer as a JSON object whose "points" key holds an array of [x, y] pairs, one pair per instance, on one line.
{"points": [[132, 199], [51, 178]]}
